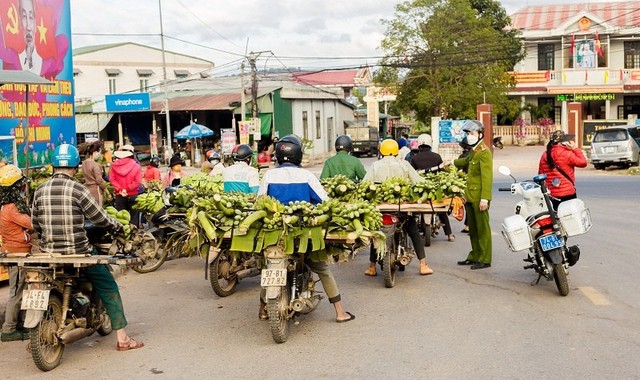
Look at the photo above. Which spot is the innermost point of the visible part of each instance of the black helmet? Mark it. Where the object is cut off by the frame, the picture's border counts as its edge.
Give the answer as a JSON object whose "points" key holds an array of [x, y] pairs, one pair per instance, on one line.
{"points": [[343, 142], [289, 149], [241, 152], [154, 161]]}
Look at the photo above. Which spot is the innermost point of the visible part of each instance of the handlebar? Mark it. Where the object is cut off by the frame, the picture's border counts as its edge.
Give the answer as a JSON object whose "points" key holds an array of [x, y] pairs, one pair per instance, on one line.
{"points": [[504, 189]]}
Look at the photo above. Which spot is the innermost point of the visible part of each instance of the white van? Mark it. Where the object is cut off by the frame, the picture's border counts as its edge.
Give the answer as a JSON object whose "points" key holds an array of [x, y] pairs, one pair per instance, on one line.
{"points": [[619, 145]]}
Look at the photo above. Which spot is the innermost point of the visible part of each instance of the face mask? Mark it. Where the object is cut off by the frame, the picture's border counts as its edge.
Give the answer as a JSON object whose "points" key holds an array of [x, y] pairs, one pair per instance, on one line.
{"points": [[96, 155], [472, 139]]}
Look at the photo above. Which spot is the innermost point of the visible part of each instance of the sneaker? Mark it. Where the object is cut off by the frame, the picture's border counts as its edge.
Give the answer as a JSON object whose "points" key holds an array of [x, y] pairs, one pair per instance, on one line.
{"points": [[12, 336], [451, 237], [465, 230]]}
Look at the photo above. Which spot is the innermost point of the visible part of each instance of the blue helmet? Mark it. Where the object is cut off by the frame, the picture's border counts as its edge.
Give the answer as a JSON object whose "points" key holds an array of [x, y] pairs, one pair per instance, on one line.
{"points": [[65, 156]]}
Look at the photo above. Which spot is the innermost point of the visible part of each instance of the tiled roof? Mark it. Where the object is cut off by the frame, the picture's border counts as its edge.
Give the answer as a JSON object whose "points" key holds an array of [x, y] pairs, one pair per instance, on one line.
{"points": [[548, 17], [199, 102], [326, 78]]}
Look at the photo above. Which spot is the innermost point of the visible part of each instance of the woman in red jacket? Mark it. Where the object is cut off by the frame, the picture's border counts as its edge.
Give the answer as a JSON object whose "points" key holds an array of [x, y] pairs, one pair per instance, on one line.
{"points": [[126, 178], [559, 162]]}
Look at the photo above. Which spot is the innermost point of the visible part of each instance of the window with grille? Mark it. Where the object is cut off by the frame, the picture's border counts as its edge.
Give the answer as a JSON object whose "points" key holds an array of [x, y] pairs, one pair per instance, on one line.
{"points": [[545, 56], [632, 55]]}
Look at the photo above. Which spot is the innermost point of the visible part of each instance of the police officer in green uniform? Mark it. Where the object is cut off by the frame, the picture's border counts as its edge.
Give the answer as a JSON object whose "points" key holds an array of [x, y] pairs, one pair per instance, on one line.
{"points": [[479, 166], [343, 162]]}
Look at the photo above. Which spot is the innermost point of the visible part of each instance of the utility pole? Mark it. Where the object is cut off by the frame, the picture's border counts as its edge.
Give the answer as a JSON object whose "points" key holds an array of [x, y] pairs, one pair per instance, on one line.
{"points": [[167, 147]]}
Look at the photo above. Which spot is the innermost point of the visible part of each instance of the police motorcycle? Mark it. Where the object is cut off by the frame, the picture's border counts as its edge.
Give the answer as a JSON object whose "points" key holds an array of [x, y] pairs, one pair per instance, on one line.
{"points": [[543, 231], [60, 303]]}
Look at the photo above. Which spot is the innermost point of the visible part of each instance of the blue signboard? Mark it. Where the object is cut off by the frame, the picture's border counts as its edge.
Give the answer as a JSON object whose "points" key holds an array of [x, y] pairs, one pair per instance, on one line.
{"points": [[451, 131], [43, 49], [138, 101]]}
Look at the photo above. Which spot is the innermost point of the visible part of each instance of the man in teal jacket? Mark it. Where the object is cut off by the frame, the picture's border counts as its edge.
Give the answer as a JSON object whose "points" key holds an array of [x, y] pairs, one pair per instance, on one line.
{"points": [[343, 163], [479, 165]]}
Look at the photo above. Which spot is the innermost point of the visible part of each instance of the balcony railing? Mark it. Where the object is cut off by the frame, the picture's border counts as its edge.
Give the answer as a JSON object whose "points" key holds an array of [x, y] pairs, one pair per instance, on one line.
{"points": [[577, 77]]}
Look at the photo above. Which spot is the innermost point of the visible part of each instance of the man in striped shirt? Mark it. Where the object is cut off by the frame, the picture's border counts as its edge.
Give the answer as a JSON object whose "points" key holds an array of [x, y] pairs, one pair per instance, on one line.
{"points": [[60, 208]]}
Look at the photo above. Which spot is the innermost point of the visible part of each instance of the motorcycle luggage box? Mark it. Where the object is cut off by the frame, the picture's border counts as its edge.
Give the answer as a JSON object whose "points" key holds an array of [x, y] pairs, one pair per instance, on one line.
{"points": [[574, 217], [516, 233]]}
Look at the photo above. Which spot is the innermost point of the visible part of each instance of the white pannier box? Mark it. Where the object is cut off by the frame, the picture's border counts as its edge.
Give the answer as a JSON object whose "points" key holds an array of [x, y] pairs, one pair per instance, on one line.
{"points": [[574, 217], [516, 232]]}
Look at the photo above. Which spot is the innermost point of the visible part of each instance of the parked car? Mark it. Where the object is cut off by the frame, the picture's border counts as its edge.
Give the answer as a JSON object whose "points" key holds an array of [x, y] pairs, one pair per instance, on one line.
{"points": [[619, 145]]}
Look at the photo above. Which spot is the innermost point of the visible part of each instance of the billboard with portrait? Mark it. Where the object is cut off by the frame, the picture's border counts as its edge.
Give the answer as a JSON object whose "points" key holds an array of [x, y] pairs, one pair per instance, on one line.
{"points": [[36, 36], [586, 54]]}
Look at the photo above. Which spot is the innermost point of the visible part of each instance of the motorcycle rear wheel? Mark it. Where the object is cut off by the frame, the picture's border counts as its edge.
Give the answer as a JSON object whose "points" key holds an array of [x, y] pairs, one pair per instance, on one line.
{"points": [[278, 311], [46, 348], [222, 282], [389, 267], [152, 255], [560, 277], [105, 327]]}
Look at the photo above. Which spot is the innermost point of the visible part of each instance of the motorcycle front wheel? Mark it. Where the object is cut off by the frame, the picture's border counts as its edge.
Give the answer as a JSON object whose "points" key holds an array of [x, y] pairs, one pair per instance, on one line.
{"points": [[151, 254], [389, 267], [560, 277], [278, 311], [222, 281], [46, 348]]}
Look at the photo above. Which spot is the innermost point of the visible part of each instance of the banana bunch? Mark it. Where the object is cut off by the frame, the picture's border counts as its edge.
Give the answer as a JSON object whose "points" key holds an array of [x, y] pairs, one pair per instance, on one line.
{"points": [[204, 184], [123, 217], [150, 202], [181, 200], [367, 190], [339, 187], [424, 191], [445, 183], [273, 210], [357, 216], [394, 190]]}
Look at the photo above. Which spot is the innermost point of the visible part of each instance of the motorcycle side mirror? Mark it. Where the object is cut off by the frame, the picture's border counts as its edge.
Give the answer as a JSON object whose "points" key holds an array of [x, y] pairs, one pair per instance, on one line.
{"points": [[556, 182], [504, 170]]}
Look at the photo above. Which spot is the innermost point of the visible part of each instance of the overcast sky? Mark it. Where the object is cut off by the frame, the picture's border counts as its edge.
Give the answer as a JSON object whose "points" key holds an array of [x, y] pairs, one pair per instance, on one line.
{"points": [[295, 33]]}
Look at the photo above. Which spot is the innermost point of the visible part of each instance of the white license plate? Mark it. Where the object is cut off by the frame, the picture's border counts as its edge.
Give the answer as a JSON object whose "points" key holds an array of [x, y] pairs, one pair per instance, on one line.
{"points": [[273, 277], [35, 299], [610, 149], [550, 242]]}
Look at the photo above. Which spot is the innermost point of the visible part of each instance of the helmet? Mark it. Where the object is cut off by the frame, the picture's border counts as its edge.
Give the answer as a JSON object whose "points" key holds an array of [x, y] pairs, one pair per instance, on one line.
{"points": [[389, 147], [425, 139], [65, 156], [559, 137], [414, 145], [241, 152], [472, 125], [9, 175], [154, 161], [289, 149], [343, 142], [214, 156]]}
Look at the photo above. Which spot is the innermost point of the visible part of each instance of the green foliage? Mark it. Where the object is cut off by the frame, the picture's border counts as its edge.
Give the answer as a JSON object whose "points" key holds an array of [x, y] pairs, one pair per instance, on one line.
{"points": [[449, 55]]}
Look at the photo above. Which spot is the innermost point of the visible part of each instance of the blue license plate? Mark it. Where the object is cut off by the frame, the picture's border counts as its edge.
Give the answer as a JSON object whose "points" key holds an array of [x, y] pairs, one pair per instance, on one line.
{"points": [[549, 242]]}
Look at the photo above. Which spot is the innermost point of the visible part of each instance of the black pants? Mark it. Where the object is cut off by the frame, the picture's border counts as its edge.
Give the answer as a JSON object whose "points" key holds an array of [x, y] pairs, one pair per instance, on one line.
{"points": [[410, 226], [126, 203], [559, 200]]}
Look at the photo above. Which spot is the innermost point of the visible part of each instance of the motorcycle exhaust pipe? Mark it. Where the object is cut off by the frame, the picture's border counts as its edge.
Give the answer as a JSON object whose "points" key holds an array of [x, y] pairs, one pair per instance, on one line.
{"points": [[405, 260], [248, 273], [71, 336]]}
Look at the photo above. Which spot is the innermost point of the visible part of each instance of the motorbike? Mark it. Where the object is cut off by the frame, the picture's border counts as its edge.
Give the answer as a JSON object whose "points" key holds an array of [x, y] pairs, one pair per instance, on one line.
{"points": [[289, 290], [60, 304], [537, 227], [400, 250], [497, 142]]}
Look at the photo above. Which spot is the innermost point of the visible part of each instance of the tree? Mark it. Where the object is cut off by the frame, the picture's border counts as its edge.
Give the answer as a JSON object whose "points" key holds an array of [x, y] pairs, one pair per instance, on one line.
{"points": [[446, 56]]}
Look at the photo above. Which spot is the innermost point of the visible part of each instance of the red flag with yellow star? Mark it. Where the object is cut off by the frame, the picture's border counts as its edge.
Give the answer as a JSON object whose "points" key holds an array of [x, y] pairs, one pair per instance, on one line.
{"points": [[598, 45], [45, 31]]}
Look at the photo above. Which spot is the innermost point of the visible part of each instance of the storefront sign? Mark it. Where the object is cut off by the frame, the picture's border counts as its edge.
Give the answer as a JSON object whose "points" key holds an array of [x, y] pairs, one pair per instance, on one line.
{"points": [[584, 97], [227, 140]]}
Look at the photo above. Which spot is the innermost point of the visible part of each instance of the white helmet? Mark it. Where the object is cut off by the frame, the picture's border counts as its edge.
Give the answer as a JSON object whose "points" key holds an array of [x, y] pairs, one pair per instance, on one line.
{"points": [[425, 139]]}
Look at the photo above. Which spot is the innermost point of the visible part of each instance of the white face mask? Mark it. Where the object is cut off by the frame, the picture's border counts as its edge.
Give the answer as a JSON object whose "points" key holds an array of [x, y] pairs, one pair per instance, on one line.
{"points": [[472, 139]]}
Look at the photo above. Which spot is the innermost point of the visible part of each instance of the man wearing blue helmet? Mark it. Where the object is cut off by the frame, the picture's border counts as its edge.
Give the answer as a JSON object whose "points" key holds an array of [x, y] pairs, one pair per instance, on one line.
{"points": [[59, 211]]}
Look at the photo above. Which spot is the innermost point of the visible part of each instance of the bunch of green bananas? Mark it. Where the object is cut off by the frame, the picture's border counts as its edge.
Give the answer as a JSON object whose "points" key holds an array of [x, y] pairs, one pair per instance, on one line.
{"points": [[339, 187], [123, 217], [150, 202], [204, 184]]}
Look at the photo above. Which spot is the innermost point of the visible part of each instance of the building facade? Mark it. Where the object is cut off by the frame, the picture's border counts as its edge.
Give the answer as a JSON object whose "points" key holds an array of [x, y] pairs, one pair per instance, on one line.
{"points": [[587, 53]]}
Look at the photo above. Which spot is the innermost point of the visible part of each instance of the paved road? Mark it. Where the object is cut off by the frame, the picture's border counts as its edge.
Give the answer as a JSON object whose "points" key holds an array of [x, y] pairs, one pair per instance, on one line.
{"points": [[455, 324]]}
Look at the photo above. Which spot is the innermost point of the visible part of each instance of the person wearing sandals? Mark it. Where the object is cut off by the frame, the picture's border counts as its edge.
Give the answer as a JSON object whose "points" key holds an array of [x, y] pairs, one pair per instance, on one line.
{"points": [[59, 211], [289, 183], [15, 230]]}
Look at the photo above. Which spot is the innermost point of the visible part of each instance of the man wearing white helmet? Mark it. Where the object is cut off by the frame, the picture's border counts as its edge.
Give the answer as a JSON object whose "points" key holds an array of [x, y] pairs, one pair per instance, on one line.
{"points": [[429, 161]]}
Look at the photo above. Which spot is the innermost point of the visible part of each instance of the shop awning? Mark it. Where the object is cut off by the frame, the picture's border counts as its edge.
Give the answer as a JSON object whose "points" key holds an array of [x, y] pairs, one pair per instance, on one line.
{"points": [[90, 122]]}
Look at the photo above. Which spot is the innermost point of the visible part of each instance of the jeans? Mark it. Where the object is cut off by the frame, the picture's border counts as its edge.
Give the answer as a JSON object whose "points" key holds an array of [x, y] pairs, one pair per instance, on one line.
{"points": [[107, 289], [12, 311]]}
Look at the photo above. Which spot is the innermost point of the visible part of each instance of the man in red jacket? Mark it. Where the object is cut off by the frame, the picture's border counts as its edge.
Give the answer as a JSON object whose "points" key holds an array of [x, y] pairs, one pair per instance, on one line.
{"points": [[126, 177], [559, 162]]}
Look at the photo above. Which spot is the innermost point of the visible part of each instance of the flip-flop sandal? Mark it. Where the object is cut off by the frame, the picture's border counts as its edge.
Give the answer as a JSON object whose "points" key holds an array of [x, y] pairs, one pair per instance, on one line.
{"points": [[351, 318], [131, 344]]}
